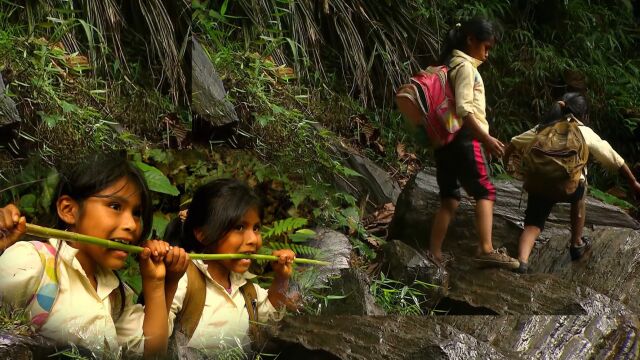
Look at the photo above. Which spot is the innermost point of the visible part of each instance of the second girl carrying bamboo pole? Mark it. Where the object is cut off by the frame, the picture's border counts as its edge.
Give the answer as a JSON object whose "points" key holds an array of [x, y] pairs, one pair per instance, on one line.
{"points": [[215, 306]]}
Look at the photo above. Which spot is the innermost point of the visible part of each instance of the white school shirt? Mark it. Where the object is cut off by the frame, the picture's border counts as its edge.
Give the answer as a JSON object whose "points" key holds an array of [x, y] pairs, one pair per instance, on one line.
{"points": [[224, 323], [80, 314]]}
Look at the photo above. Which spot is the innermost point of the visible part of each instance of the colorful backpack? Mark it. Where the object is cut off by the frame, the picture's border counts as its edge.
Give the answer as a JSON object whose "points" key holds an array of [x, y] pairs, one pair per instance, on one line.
{"points": [[553, 162], [45, 295], [428, 100]]}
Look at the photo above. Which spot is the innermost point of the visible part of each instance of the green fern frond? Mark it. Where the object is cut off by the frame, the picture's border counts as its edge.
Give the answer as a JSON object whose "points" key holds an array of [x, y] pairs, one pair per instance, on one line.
{"points": [[300, 249], [285, 226]]}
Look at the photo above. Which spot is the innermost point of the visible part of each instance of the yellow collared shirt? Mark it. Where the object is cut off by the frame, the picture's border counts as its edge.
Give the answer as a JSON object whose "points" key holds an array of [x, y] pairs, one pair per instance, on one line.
{"points": [[468, 87]]}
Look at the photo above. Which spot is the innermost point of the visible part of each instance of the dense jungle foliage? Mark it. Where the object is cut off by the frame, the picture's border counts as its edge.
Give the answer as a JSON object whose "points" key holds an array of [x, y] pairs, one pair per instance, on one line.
{"points": [[304, 77], [367, 49]]}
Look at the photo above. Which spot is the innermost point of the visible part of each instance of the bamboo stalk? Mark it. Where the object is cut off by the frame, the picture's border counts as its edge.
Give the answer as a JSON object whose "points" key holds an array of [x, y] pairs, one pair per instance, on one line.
{"points": [[45, 232]]}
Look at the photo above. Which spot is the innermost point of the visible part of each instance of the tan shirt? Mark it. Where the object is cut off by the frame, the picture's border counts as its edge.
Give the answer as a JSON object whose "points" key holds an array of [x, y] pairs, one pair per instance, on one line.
{"points": [[225, 321], [602, 152], [80, 314], [468, 87]]}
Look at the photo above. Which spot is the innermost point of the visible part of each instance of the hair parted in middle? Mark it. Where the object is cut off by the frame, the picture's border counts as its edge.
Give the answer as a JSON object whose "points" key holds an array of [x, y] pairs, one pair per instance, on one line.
{"points": [[216, 207]]}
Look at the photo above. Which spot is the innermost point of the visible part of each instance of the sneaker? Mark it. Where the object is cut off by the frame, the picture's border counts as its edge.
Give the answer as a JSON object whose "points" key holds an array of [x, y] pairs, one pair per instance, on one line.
{"points": [[577, 252], [498, 258], [523, 268]]}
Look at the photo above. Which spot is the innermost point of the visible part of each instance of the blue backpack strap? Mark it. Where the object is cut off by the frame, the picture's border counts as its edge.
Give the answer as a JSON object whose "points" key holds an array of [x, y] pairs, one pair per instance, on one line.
{"points": [[43, 298]]}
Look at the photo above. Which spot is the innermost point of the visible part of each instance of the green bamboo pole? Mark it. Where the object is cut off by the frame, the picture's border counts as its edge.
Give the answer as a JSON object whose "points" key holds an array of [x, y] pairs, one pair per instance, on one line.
{"points": [[45, 232]]}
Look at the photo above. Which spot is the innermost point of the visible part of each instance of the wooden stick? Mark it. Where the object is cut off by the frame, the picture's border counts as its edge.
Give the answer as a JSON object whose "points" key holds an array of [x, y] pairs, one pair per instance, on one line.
{"points": [[46, 232]]}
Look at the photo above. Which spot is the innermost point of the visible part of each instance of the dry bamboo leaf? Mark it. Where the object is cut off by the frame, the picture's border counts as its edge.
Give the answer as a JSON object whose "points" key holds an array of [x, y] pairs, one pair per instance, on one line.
{"points": [[400, 150]]}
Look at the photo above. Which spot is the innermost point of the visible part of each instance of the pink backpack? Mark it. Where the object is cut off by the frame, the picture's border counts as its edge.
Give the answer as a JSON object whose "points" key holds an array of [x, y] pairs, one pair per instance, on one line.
{"points": [[428, 100]]}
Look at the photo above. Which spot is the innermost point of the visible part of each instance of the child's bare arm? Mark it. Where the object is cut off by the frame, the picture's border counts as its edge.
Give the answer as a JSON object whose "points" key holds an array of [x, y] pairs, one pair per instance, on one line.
{"points": [[628, 174], [12, 226], [283, 269], [155, 326]]}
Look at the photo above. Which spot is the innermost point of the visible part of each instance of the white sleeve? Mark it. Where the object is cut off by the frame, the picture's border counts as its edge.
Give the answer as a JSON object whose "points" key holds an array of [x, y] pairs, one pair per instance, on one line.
{"points": [[601, 150], [20, 273], [178, 299], [266, 311], [129, 324]]}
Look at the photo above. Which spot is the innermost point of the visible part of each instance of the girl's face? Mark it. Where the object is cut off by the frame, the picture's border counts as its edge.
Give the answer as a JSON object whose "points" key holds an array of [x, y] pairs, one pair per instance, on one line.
{"points": [[479, 49], [112, 214], [243, 238]]}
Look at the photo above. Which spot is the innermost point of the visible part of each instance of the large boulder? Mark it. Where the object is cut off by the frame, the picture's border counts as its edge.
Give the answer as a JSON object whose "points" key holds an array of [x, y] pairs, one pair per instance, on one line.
{"points": [[208, 93], [609, 278], [403, 263], [375, 185], [351, 295], [608, 336], [348, 288], [333, 247]]}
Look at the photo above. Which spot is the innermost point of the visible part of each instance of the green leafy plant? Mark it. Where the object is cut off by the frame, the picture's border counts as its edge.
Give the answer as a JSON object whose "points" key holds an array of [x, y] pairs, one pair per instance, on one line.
{"points": [[610, 199], [289, 234], [156, 180], [15, 320], [398, 298]]}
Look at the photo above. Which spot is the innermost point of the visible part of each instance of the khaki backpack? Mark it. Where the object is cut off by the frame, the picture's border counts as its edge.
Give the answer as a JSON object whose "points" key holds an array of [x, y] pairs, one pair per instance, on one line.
{"points": [[189, 317], [553, 162]]}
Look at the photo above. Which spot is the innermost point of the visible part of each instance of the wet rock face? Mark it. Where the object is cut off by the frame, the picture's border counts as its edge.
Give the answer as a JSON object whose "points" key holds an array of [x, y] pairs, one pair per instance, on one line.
{"points": [[334, 247], [458, 337], [419, 201], [19, 347], [404, 263], [339, 279], [354, 285], [608, 278]]}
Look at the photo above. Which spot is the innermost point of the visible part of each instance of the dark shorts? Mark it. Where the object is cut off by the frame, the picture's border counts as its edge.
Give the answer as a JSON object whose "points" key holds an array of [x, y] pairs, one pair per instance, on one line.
{"points": [[463, 162], [539, 208]]}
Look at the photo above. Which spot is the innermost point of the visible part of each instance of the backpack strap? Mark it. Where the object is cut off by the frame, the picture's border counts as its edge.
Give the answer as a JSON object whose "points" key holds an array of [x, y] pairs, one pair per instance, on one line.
{"points": [[193, 304], [44, 296], [449, 73], [248, 291], [117, 298]]}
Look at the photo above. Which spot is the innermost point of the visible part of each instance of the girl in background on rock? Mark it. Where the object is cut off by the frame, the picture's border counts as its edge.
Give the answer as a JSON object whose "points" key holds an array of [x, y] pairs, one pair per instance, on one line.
{"points": [[573, 106], [463, 161], [106, 197], [215, 303]]}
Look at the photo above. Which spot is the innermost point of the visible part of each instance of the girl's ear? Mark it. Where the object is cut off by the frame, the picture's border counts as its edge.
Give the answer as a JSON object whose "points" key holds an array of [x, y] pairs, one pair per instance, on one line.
{"points": [[470, 41], [199, 234], [68, 209]]}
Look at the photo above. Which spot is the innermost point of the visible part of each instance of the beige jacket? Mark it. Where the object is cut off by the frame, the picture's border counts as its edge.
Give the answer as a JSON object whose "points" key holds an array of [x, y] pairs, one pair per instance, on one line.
{"points": [[224, 324], [468, 87], [602, 152], [80, 314]]}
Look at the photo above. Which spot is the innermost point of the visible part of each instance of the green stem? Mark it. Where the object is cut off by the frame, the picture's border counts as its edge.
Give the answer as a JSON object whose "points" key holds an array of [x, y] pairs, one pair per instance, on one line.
{"points": [[45, 232]]}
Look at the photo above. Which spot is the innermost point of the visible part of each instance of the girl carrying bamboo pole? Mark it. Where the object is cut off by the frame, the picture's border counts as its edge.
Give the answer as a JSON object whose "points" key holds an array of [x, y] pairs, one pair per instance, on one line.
{"points": [[70, 289], [224, 217]]}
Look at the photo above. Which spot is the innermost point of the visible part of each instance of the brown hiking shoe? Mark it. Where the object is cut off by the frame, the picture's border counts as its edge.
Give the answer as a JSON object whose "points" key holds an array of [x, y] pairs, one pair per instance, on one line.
{"points": [[498, 258]]}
